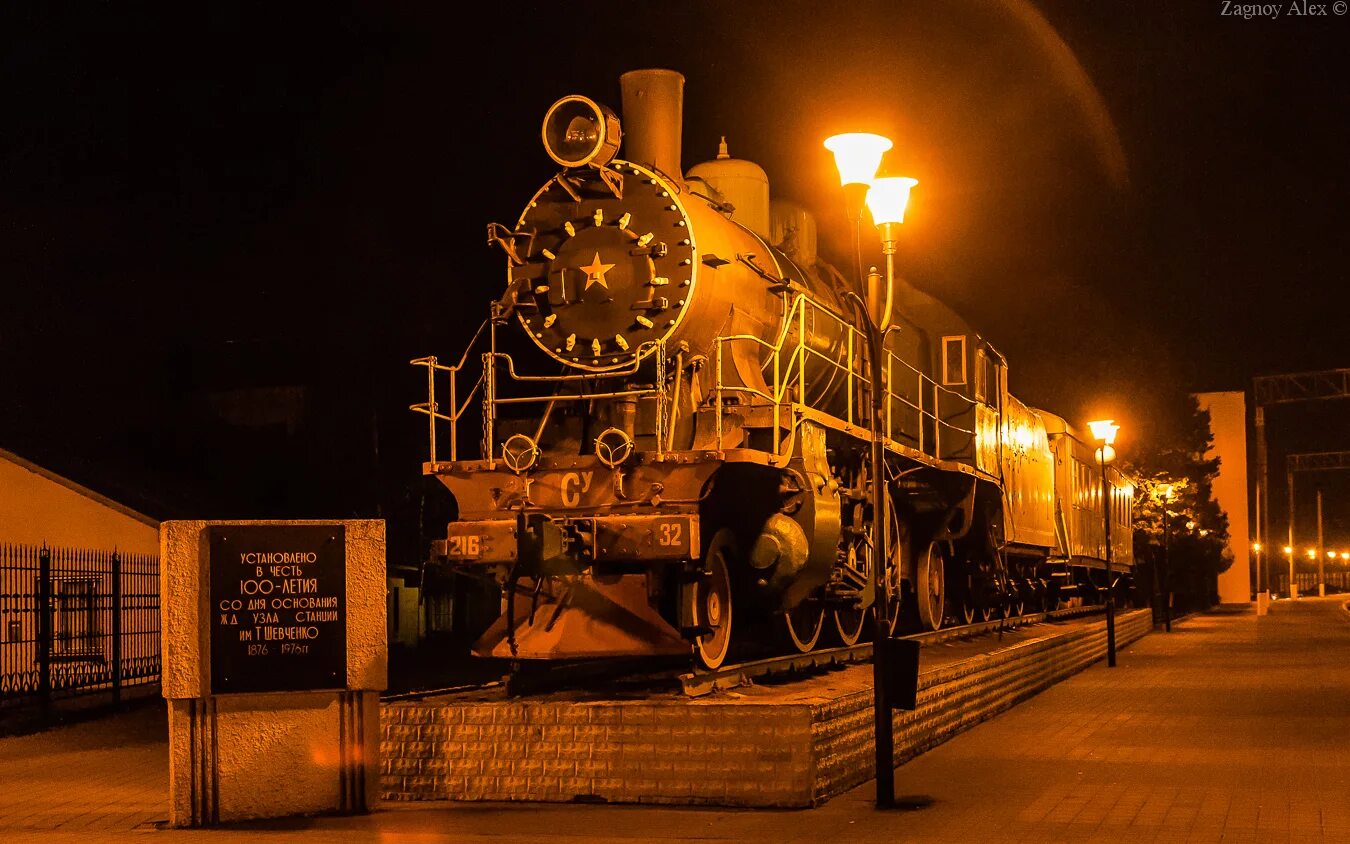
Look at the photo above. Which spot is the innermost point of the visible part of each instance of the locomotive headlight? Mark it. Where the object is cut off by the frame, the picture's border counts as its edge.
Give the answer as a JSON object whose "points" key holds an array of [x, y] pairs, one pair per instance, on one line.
{"points": [[579, 131]]}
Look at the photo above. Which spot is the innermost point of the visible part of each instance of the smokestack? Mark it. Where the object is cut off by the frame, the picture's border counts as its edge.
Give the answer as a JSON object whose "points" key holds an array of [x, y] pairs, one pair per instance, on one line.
{"points": [[653, 118]]}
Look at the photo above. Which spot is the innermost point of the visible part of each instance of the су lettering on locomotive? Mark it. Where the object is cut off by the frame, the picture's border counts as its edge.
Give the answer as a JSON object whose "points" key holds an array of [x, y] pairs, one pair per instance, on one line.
{"points": [[678, 460]]}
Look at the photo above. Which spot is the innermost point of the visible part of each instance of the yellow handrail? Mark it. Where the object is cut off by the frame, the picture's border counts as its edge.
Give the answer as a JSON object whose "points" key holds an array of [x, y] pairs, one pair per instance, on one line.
{"points": [[795, 367]]}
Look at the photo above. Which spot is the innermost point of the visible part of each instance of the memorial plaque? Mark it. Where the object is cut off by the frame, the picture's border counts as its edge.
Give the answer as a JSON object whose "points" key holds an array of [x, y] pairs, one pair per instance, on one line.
{"points": [[278, 607]]}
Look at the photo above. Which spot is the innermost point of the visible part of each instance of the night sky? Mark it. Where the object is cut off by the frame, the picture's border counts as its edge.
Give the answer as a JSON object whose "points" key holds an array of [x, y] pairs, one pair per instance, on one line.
{"points": [[1127, 198]]}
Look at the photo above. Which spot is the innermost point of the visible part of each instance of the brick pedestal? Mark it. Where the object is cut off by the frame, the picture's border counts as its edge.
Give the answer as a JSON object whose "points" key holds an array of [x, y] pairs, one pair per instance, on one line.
{"points": [[794, 745]]}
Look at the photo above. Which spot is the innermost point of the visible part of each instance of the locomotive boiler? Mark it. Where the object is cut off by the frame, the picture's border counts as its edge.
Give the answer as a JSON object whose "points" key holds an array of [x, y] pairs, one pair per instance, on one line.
{"points": [[672, 411]]}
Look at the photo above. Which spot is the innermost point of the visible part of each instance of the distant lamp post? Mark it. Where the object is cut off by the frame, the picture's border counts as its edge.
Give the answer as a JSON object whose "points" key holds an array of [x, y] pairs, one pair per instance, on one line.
{"points": [[1289, 555], [857, 156], [1104, 432], [1256, 552], [1165, 490]]}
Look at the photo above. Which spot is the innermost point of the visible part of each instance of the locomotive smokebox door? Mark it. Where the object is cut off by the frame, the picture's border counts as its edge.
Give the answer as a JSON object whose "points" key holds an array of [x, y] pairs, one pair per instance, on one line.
{"points": [[902, 673]]}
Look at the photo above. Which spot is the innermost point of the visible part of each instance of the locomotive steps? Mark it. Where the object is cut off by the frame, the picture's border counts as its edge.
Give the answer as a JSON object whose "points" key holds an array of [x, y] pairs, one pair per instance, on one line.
{"points": [[789, 745]]}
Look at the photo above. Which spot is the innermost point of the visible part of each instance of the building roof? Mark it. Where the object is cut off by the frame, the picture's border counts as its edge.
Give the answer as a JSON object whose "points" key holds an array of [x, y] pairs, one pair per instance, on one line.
{"points": [[49, 475]]}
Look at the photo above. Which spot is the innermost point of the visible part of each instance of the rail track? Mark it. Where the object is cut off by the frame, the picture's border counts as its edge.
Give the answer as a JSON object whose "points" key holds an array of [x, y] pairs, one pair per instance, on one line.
{"points": [[696, 683], [637, 674]]}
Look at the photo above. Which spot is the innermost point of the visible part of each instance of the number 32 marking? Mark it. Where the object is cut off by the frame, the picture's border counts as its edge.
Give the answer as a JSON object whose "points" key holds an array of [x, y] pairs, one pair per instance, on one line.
{"points": [[671, 534]]}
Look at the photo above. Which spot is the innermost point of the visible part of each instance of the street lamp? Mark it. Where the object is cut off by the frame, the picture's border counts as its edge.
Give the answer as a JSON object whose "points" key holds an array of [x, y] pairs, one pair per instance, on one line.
{"points": [[857, 157], [1166, 492], [1256, 552], [1104, 432], [887, 199]]}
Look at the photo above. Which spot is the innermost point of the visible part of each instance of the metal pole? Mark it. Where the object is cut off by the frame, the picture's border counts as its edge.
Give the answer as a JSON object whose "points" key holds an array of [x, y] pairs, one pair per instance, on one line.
{"points": [[1260, 541], [44, 629], [1262, 502], [881, 637], [116, 627], [883, 726], [1321, 550], [1167, 570], [1293, 549], [1110, 587]]}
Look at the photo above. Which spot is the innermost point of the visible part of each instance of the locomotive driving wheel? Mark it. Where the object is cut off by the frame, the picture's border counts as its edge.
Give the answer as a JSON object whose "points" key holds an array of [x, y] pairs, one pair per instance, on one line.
{"points": [[713, 602], [969, 590], [803, 624], [930, 587], [851, 623], [1017, 598]]}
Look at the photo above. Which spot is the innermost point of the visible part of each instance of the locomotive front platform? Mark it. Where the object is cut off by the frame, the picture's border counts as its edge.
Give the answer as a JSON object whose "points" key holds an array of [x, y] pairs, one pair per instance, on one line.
{"points": [[773, 745]]}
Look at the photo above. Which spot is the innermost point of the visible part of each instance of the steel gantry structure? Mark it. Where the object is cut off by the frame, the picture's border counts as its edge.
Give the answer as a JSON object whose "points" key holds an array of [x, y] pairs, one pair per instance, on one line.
{"points": [[1287, 389], [1318, 461]]}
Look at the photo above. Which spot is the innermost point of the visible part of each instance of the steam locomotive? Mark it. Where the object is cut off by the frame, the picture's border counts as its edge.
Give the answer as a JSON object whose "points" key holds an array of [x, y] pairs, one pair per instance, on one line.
{"points": [[675, 456]]}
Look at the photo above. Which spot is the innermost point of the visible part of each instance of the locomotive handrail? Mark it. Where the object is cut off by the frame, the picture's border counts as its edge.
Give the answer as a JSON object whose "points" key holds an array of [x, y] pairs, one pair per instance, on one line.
{"points": [[493, 360], [430, 406], [786, 355], [576, 396], [587, 376], [856, 382]]}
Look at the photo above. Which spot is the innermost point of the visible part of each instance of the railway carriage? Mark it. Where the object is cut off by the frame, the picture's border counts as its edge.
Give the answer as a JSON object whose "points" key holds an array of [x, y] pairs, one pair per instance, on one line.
{"points": [[672, 416]]}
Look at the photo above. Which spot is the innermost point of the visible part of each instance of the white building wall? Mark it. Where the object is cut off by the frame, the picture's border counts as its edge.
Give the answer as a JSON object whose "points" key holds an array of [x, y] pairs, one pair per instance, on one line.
{"points": [[1228, 423], [37, 506]]}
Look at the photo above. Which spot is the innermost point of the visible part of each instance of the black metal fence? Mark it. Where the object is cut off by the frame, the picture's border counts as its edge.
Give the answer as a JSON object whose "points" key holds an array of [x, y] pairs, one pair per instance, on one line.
{"points": [[1335, 581], [76, 622]]}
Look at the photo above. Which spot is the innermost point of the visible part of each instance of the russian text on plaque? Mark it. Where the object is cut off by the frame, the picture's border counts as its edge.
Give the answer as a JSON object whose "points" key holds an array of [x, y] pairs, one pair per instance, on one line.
{"points": [[278, 608]]}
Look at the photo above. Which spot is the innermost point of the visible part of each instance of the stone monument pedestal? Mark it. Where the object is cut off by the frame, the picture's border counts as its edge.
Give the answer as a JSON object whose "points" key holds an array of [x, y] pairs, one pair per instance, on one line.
{"points": [[274, 658]]}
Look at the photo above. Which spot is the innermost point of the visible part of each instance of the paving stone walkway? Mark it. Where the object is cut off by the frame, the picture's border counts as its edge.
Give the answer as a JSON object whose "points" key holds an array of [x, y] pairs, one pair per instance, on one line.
{"points": [[93, 778], [1232, 728]]}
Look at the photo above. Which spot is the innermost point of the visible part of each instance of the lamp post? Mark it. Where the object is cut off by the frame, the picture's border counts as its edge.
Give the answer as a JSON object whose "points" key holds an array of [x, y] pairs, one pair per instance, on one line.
{"points": [[1256, 552], [857, 157], [1167, 558], [1104, 432], [1321, 549]]}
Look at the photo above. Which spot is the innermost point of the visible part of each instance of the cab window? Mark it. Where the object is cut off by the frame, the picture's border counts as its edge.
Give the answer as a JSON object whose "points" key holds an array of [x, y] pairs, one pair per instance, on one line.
{"points": [[954, 360]]}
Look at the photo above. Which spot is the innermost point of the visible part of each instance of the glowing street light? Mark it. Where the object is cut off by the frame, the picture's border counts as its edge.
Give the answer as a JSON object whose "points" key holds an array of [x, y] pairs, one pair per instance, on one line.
{"points": [[1288, 550], [887, 199], [1104, 432], [857, 155]]}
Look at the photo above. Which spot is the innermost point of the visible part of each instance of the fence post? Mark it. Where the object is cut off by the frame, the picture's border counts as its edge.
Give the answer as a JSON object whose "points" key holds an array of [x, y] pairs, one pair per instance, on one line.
{"points": [[116, 627], [44, 628]]}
